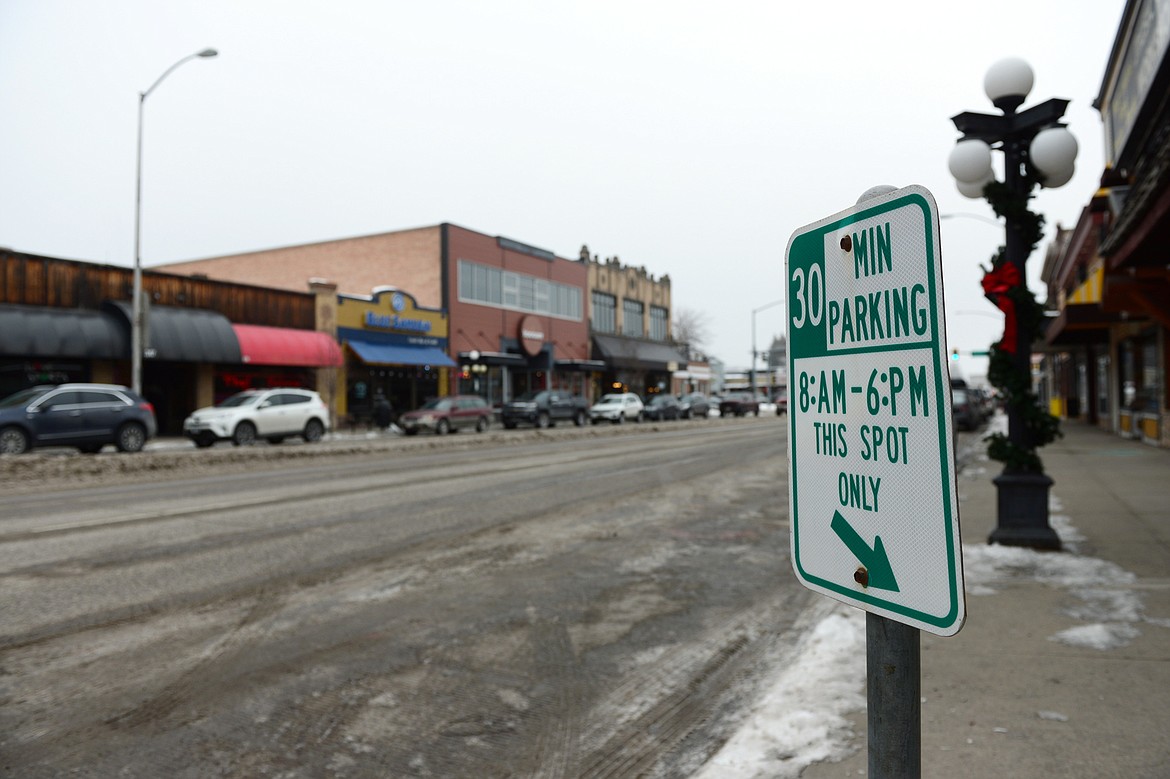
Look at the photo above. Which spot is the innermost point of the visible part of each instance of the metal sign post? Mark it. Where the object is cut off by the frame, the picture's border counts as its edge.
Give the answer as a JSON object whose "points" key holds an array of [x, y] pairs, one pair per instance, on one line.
{"points": [[873, 498]]}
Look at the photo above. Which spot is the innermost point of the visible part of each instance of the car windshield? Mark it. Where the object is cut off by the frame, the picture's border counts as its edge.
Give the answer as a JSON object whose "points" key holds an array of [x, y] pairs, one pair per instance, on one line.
{"points": [[530, 396], [436, 404], [611, 399], [240, 399], [23, 397]]}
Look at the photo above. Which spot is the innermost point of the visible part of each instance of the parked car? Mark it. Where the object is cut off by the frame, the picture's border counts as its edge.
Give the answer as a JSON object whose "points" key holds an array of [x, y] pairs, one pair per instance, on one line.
{"points": [[544, 408], [694, 406], [738, 404], [617, 407], [780, 398], [448, 415], [662, 406], [87, 416], [966, 414], [273, 414]]}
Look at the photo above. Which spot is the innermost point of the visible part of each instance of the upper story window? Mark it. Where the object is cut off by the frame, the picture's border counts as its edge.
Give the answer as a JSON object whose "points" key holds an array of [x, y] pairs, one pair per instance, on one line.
{"points": [[659, 324], [518, 291], [632, 318], [604, 313]]}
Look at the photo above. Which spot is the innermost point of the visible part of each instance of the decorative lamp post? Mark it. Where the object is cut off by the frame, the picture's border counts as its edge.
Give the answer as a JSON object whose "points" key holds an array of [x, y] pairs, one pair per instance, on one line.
{"points": [[137, 312], [1037, 149]]}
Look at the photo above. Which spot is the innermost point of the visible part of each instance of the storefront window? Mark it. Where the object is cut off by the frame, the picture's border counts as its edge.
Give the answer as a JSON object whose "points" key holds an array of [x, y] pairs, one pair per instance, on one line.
{"points": [[21, 375], [1103, 386], [604, 313], [632, 318], [659, 324], [1151, 376]]}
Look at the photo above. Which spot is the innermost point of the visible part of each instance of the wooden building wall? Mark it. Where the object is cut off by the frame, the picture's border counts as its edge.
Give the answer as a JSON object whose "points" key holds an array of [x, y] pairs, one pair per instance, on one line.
{"points": [[31, 280]]}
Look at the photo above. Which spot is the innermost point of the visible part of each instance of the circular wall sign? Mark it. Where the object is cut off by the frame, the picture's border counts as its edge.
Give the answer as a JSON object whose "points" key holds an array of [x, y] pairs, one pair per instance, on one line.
{"points": [[531, 335]]}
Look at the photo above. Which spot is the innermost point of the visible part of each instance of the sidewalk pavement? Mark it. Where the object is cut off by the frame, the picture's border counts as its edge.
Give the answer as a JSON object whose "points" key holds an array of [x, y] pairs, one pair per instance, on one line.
{"points": [[1063, 666]]}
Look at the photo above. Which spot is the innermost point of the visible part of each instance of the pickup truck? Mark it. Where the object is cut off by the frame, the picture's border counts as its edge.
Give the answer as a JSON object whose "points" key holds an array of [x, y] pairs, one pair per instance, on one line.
{"points": [[544, 408], [738, 404]]}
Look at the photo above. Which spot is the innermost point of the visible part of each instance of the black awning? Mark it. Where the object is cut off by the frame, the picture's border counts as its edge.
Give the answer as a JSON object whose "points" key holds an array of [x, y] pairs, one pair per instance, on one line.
{"points": [[622, 352], [1080, 324], [36, 331], [502, 359], [584, 366], [185, 334]]}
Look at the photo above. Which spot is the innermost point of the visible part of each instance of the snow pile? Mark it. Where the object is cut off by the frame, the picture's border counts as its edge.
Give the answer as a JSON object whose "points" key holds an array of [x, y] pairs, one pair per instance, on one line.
{"points": [[1104, 591], [800, 719]]}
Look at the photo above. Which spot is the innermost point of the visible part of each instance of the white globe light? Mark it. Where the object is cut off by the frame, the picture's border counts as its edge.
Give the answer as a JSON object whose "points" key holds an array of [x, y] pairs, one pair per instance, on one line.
{"points": [[973, 189], [1010, 77], [1059, 178], [970, 161], [1053, 150]]}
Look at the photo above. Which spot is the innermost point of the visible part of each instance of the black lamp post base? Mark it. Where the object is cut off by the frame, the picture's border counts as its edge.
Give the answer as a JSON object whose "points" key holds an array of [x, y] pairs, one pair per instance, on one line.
{"points": [[1023, 512]]}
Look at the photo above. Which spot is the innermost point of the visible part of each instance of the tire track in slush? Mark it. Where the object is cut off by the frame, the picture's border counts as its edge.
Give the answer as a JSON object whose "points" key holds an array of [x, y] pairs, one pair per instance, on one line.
{"points": [[685, 685]]}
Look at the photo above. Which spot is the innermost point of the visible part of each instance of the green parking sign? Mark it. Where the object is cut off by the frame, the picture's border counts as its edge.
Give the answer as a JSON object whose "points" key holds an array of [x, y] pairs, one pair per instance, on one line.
{"points": [[875, 518]]}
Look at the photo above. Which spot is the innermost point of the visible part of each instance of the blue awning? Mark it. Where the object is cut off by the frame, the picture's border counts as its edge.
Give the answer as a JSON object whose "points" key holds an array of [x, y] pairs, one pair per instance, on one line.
{"points": [[374, 353]]}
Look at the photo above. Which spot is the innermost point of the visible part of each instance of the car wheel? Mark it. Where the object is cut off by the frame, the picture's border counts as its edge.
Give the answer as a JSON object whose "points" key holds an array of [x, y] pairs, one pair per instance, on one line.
{"points": [[443, 427], [639, 418], [509, 425], [90, 448], [205, 440], [313, 432], [275, 439], [13, 440], [131, 437], [245, 434], [542, 420], [621, 418], [411, 431], [579, 419], [481, 424]]}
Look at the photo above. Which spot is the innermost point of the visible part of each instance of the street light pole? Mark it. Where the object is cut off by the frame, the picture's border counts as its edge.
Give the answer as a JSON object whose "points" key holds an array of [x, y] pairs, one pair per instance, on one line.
{"points": [[1036, 149], [754, 352], [137, 312]]}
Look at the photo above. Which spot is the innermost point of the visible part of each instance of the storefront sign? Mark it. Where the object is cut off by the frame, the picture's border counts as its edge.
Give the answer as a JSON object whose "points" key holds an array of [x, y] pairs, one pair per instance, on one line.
{"points": [[396, 322], [531, 335]]}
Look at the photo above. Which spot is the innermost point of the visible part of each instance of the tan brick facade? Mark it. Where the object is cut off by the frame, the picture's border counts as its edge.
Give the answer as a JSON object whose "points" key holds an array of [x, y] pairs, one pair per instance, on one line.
{"points": [[407, 259]]}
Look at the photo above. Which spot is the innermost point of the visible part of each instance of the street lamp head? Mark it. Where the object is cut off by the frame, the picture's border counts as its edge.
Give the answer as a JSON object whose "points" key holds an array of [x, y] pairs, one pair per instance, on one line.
{"points": [[973, 189], [1053, 152], [1008, 83], [209, 53], [970, 162]]}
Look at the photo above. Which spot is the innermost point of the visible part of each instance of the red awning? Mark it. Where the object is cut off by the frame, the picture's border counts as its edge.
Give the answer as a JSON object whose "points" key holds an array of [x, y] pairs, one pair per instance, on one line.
{"points": [[261, 345]]}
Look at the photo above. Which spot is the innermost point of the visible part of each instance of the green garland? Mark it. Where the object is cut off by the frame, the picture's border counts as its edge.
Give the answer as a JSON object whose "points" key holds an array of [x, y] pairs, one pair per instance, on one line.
{"points": [[1040, 427]]}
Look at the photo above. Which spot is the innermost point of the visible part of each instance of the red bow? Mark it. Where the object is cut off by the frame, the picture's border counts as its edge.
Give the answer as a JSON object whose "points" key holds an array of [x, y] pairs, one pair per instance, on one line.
{"points": [[997, 282]]}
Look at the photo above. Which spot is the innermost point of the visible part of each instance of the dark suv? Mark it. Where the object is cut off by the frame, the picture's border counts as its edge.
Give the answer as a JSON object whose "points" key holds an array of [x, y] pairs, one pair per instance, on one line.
{"points": [[87, 416], [544, 408]]}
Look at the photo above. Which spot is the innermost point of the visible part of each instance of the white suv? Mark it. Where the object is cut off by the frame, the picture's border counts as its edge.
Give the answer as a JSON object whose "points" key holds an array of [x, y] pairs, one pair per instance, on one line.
{"points": [[272, 414], [617, 407]]}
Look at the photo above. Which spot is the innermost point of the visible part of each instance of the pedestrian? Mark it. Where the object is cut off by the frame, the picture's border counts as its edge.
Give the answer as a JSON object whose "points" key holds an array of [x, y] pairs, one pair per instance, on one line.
{"points": [[383, 411]]}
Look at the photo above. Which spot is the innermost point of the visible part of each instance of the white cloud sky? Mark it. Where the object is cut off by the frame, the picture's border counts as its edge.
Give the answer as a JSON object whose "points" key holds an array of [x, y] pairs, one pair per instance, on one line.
{"points": [[690, 138]]}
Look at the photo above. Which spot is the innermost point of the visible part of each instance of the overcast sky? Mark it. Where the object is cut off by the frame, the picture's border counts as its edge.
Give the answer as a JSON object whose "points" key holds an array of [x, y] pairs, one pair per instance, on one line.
{"points": [[690, 138]]}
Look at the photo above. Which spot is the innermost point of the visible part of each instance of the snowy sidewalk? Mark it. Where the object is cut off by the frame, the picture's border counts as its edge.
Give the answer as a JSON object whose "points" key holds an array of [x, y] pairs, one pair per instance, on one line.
{"points": [[1063, 666]]}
